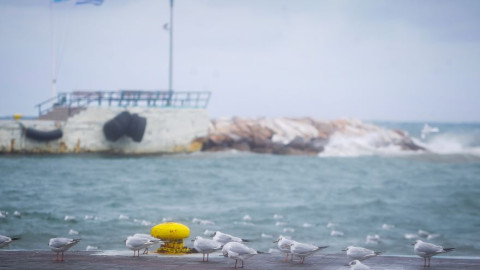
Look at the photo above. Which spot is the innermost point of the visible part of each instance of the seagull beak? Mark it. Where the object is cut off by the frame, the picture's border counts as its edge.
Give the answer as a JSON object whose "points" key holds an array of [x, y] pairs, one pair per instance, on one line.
{"points": [[346, 265], [344, 250], [276, 241]]}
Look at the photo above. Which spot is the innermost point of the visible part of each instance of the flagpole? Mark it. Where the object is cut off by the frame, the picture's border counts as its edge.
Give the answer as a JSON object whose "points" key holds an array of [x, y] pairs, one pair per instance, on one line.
{"points": [[52, 48], [171, 48]]}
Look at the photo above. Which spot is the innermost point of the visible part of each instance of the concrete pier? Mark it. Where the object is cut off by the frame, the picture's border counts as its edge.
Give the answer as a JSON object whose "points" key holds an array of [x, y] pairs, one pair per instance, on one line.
{"points": [[103, 260], [168, 130]]}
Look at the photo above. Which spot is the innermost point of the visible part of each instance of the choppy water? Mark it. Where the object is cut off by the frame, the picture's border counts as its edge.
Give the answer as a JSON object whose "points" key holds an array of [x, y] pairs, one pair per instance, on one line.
{"points": [[435, 192]]}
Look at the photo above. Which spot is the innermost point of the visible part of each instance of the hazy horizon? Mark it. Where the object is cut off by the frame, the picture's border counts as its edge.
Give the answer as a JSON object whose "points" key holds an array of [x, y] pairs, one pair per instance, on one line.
{"points": [[406, 61]]}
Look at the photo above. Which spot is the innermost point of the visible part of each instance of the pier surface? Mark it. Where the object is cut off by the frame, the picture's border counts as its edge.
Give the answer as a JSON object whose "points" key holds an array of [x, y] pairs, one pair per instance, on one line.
{"points": [[102, 260]]}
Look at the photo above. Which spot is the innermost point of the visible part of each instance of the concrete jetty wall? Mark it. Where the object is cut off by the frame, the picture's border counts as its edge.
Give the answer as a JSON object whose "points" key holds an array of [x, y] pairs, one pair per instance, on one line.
{"points": [[168, 131]]}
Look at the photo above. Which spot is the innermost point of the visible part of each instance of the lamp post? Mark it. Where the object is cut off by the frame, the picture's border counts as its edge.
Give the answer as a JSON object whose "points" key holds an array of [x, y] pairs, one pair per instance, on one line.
{"points": [[171, 49]]}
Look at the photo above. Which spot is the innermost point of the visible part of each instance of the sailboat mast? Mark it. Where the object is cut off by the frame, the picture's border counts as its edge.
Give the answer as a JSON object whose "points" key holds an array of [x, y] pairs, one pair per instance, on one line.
{"points": [[170, 74], [52, 48]]}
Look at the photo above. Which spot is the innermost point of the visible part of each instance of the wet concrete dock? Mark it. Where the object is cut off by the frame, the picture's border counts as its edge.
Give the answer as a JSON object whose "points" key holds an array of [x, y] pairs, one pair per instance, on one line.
{"points": [[103, 260]]}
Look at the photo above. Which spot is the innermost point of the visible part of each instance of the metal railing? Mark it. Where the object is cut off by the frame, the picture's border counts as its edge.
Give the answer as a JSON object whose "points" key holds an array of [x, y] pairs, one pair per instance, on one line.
{"points": [[125, 98]]}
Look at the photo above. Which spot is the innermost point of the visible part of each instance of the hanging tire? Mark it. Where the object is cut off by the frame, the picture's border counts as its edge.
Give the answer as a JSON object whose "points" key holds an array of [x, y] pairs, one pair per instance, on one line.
{"points": [[116, 127], [136, 129], [43, 136]]}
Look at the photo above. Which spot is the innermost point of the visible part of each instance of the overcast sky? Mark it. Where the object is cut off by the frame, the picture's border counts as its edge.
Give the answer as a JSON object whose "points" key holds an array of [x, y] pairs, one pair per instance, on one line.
{"points": [[371, 60]]}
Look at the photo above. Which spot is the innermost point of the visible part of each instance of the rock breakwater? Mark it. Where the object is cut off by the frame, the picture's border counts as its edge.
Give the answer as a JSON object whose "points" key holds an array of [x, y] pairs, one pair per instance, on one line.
{"points": [[304, 136]]}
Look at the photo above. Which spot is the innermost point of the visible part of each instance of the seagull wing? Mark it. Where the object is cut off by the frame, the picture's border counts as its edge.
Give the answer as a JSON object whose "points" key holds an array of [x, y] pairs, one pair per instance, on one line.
{"points": [[429, 248]]}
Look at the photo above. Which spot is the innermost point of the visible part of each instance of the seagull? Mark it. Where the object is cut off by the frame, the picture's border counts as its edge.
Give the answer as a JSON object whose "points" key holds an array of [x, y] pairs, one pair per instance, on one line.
{"points": [[62, 244], [148, 237], [225, 238], [5, 240], [373, 239], [137, 243], [357, 265], [423, 233], [284, 244], [206, 246], [428, 129], [427, 250], [360, 253], [238, 251], [303, 250]]}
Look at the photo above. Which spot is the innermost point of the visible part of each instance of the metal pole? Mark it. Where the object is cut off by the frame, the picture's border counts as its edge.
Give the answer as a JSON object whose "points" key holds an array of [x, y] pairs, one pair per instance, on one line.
{"points": [[52, 47], [171, 48]]}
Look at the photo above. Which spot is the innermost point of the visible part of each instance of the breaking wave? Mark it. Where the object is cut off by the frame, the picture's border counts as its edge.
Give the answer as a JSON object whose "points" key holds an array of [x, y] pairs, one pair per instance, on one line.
{"points": [[384, 143], [453, 143]]}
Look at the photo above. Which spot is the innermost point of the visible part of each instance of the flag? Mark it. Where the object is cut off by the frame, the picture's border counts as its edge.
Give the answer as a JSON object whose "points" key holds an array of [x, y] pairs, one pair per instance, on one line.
{"points": [[95, 2]]}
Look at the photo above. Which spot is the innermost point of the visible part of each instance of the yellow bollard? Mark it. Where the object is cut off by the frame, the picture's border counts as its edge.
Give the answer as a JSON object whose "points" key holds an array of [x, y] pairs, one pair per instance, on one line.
{"points": [[172, 234], [17, 116]]}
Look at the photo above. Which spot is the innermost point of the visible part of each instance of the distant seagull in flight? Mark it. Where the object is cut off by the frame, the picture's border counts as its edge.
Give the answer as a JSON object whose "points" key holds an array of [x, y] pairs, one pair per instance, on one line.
{"points": [[427, 130]]}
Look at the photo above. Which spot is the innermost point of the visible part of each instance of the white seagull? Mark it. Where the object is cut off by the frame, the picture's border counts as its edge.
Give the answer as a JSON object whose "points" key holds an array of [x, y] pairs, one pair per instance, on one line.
{"points": [[284, 244], [427, 250], [303, 250], [225, 238], [427, 130], [148, 237], [357, 265], [137, 243], [5, 240], [360, 253], [238, 251], [205, 246], [62, 244]]}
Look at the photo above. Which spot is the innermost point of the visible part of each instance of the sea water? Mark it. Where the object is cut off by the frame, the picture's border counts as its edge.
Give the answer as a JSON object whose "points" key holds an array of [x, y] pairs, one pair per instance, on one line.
{"points": [[389, 196]]}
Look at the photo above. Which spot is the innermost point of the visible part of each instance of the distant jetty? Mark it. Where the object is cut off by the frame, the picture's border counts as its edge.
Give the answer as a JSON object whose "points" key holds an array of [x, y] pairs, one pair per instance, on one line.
{"points": [[165, 122], [303, 136]]}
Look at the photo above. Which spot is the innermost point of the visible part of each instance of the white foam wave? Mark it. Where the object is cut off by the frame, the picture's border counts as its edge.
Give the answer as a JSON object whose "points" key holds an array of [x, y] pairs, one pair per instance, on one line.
{"points": [[389, 143], [381, 142], [452, 143]]}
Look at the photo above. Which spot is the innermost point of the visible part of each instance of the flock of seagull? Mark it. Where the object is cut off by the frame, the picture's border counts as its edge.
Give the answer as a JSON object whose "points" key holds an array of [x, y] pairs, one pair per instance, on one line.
{"points": [[234, 248]]}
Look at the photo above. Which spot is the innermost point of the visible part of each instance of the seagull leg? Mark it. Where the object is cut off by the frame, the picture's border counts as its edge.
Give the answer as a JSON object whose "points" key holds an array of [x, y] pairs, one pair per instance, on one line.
{"points": [[429, 261], [57, 257], [236, 263], [207, 257], [242, 264], [203, 257], [286, 258], [425, 262], [62, 256]]}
